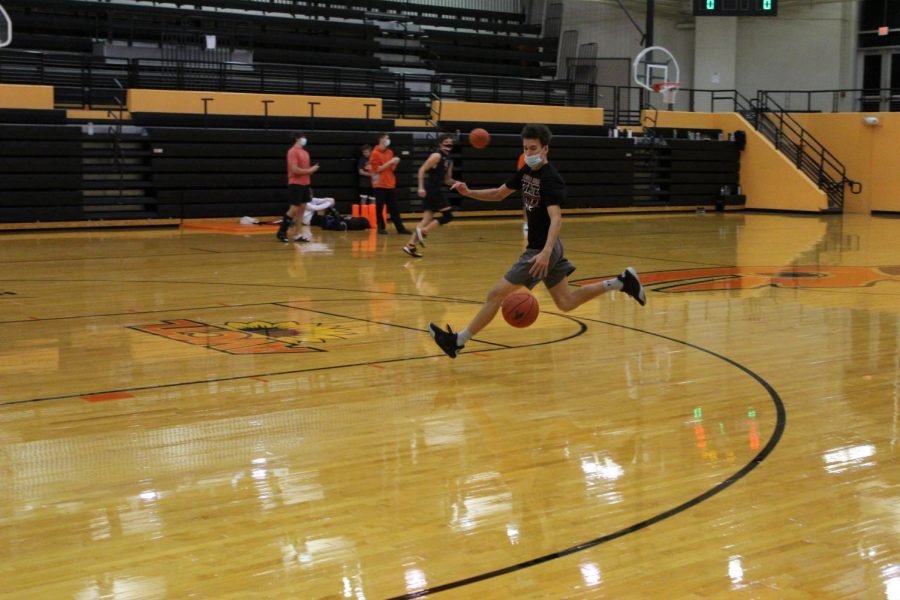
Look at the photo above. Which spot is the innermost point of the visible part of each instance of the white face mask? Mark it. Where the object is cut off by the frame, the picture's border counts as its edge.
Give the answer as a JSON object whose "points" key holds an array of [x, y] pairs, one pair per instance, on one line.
{"points": [[387, 142], [302, 141], [533, 161]]}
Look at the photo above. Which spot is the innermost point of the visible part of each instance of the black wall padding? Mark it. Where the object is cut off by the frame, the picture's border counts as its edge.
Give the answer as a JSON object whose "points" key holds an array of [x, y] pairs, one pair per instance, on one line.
{"points": [[245, 171], [197, 172], [40, 172], [26, 115], [612, 172]]}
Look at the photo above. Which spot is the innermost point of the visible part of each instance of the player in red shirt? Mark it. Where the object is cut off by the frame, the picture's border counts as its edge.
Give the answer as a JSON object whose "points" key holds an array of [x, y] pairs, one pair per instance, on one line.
{"points": [[298, 173]]}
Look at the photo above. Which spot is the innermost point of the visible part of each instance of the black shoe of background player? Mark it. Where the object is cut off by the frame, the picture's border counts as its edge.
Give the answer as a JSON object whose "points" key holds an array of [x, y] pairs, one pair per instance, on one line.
{"points": [[446, 340], [412, 251]]}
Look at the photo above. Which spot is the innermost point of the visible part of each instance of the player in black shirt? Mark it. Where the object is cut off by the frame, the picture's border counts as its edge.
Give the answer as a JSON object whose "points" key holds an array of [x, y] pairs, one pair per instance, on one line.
{"points": [[543, 194], [435, 172]]}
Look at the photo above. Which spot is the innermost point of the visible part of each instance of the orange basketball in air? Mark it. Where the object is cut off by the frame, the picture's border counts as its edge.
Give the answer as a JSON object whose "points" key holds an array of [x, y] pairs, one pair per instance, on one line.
{"points": [[479, 138], [520, 309]]}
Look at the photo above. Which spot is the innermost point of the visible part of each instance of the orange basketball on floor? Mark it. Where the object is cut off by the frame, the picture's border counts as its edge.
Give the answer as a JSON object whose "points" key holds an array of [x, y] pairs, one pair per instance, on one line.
{"points": [[479, 138], [520, 309]]}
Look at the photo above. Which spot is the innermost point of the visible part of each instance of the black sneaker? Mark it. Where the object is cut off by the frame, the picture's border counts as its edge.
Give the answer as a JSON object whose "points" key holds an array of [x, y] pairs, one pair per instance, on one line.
{"points": [[281, 237], [631, 285], [412, 251], [446, 340], [301, 239], [382, 232]]}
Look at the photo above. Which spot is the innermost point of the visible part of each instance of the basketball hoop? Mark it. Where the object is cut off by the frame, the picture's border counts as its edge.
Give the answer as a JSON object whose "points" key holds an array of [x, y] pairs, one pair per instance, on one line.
{"points": [[668, 89], [5, 28], [655, 69]]}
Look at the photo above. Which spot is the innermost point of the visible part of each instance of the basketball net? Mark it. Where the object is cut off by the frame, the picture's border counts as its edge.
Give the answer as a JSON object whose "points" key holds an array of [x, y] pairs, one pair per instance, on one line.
{"points": [[668, 89]]}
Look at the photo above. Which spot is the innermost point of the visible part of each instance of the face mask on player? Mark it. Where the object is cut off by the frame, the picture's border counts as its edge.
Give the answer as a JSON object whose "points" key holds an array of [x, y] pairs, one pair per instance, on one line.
{"points": [[533, 161]]}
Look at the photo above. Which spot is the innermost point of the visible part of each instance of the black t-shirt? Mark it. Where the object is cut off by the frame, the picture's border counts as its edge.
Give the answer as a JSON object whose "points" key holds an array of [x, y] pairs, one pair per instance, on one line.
{"points": [[540, 189], [364, 181], [435, 176]]}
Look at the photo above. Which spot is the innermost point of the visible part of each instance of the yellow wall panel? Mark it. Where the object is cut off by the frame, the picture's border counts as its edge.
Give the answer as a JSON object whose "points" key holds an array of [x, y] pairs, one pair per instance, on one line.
{"points": [[26, 96], [228, 103], [870, 154], [487, 112]]}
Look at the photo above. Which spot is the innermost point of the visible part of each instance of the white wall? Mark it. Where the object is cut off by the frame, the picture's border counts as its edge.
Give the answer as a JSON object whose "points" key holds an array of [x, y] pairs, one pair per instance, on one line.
{"points": [[800, 49], [715, 53]]}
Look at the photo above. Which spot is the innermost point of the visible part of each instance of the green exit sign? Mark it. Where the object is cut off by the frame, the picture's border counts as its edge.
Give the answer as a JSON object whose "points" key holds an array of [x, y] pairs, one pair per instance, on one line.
{"points": [[735, 8]]}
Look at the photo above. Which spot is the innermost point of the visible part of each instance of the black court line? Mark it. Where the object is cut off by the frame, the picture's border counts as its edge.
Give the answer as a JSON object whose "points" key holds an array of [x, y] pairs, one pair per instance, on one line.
{"points": [[403, 295], [780, 423], [477, 238], [223, 307], [581, 329], [240, 284], [126, 257], [395, 325]]}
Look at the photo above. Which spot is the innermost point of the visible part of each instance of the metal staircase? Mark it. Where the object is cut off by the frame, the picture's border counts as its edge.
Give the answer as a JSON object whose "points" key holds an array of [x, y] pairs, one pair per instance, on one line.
{"points": [[801, 147], [116, 171], [788, 137]]}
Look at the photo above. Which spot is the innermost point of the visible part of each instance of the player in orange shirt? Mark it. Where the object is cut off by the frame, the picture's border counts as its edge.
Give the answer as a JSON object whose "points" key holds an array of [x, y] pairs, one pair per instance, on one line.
{"points": [[382, 164]]}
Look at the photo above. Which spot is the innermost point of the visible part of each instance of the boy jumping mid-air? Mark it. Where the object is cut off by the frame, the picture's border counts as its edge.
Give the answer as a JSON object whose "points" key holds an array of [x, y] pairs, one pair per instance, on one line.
{"points": [[543, 193]]}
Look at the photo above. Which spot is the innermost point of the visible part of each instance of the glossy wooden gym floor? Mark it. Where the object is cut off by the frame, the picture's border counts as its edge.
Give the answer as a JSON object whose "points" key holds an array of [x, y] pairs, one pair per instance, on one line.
{"points": [[205, 415]]}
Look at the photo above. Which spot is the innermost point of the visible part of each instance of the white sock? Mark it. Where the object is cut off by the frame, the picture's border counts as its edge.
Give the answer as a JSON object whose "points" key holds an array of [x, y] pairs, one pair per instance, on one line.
{"points": [[462, 337], [612, 284]]}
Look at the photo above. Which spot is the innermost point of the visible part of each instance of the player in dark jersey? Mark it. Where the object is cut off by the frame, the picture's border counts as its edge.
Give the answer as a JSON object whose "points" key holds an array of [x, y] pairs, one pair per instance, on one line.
{"points": [[543, 193], [435, 172]]}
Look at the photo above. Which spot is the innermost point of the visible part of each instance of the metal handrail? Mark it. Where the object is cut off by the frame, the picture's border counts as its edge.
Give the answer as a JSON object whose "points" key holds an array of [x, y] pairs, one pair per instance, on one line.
{"points": [[117, 136], [808, 153], [434, 116], [858, 96]]}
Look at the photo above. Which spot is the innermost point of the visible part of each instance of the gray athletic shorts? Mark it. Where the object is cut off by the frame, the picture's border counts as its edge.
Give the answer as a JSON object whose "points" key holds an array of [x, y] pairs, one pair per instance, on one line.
{"points": [[558, 269]]}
